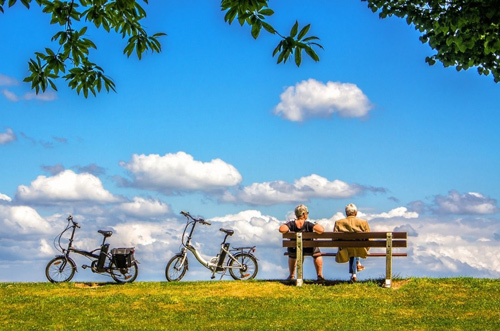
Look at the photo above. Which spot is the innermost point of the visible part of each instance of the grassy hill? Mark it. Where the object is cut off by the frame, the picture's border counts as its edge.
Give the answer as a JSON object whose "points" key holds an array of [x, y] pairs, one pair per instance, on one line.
{"points": [[412, 304]]}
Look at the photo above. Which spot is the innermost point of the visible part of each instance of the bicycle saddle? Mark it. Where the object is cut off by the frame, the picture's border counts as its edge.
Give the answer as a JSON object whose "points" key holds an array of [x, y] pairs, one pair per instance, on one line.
{"points": [[105, 233], [228, 232]]}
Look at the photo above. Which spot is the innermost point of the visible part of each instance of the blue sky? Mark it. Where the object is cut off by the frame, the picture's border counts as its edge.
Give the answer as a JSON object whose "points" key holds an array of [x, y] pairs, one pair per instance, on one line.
{"points": [[214, 126]]}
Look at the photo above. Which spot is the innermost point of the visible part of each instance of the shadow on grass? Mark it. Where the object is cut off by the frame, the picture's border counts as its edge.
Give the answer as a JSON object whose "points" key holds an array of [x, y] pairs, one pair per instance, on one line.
{"points": [[95, 284], [326, 282]]}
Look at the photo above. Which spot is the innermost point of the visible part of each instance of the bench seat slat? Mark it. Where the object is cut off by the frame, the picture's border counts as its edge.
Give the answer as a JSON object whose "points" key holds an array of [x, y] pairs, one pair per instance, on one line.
{"points": [[369, 254]]}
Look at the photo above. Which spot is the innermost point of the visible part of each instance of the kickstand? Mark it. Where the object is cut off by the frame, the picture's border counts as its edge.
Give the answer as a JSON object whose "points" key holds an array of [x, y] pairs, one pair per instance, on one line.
{"points": [[223, 274]]}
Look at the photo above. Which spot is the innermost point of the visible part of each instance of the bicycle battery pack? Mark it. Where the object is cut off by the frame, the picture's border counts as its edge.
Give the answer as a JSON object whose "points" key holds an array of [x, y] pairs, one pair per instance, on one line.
{"points": [[102, 257], [222, 257]]}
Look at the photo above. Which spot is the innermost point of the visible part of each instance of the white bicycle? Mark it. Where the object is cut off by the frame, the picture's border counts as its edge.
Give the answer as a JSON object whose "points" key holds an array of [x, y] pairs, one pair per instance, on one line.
{"points": [[240, 261]]}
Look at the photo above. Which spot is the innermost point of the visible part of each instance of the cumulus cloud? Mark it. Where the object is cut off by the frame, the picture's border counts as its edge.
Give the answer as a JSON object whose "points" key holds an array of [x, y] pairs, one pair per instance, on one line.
{"points": [[309, 99], [141, 207], [7, 137], [47, 96], [468, 203], [400, 212], [24, 220], [180, 172], [64, 187], [303, 189], [5, 197], [8, 81]]}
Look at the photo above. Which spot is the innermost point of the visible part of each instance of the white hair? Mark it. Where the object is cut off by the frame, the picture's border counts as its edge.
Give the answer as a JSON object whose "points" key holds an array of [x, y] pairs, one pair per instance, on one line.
{"points": [[351, 209]]}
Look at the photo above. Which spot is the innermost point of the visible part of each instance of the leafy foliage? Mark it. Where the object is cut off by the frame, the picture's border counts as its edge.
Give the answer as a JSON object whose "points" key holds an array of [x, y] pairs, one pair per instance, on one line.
{"points": [[464, 33], [254, 13], [122, 16]]}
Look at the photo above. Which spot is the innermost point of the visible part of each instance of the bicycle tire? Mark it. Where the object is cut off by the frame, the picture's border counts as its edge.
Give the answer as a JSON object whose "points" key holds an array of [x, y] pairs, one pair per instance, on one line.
{"points": [[174, 271], [124, 275], [55, 274], [249, 270]]}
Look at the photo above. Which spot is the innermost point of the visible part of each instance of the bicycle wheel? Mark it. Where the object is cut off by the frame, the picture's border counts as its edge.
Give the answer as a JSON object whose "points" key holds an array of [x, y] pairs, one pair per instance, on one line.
{"points": [[60, 270], [124, 275], [174, 270], [249, 267]]}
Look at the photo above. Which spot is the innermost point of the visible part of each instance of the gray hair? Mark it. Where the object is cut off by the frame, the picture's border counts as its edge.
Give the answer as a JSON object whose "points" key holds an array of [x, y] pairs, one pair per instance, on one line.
{"points": [[301, 210], [351, 209]]}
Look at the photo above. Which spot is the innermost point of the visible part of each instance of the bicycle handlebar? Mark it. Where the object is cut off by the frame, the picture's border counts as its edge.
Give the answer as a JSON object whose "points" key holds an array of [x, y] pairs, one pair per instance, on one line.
{"points": [[70, 218], [199, 220]]}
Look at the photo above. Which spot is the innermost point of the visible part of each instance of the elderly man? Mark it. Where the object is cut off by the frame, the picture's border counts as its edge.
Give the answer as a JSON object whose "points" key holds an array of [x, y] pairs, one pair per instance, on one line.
{"points": [[352, 224], [301, 224]]}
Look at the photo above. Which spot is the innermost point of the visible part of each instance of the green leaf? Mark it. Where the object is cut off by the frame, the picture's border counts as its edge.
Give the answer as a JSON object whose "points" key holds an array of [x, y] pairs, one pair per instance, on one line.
{"points": [[294, 30], [303, 32], [298, 56]]}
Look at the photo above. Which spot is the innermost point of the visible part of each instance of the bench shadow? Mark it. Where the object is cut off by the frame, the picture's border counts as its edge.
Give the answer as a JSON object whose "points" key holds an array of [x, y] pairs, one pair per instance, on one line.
{"points": [[326, 282], [95, 284]]}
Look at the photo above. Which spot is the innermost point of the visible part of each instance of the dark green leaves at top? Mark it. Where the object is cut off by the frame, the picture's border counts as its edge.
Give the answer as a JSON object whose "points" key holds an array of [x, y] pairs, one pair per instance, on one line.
{"points": [[291, 45], [464, 33], [255, 12], [86, 77]]}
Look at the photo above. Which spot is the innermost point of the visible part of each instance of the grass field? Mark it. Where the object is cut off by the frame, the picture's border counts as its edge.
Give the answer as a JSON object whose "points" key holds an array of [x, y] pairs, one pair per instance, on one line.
{"points": [[412, 304]]}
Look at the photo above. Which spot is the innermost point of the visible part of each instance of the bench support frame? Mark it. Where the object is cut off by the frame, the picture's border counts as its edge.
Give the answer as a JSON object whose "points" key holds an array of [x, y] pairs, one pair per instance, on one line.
{"points": [[300, 260]]}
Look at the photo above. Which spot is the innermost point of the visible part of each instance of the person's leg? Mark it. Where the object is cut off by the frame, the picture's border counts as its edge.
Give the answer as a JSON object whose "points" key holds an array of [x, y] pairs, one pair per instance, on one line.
{"points": [[353, 261], [359, 267], [292, 263], [352, 265], [318, 264]]}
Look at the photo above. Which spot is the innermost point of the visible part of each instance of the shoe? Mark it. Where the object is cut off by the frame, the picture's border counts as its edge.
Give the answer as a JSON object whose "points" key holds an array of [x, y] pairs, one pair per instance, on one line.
{"points": [[353, 279], [321, 278], [360, 267], [290, 278]]}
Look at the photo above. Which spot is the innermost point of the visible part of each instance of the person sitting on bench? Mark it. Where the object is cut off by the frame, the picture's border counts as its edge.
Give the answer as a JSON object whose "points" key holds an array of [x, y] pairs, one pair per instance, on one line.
{"points": [[352, 224], [301, 224]]}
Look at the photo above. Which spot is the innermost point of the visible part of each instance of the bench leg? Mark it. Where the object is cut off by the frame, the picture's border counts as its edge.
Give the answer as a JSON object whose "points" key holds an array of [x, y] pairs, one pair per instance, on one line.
{"points": [[300, 259], [388, 261]]}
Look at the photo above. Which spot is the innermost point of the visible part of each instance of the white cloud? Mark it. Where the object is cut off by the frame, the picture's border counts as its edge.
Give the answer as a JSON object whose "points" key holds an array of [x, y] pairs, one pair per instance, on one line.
{"points": [[468, 203], [401, 212], [180, 172], [13, 97], [16, 220], [7, 137], [303, 189], [8, 81], [141, 207], [311, 98], [64, 187], [5, 197]]}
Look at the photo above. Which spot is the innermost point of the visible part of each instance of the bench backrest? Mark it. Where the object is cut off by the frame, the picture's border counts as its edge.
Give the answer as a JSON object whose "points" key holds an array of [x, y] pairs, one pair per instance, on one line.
{"points": [[346, 239]]}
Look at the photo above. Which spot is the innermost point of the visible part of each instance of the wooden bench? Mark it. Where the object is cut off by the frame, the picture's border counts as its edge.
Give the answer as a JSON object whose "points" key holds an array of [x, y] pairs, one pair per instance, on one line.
{"points": [[387, 240]]}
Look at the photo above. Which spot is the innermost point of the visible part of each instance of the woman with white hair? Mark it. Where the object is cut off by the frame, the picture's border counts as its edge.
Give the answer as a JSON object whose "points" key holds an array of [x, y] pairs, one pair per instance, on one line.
{"points": [[301, 224], [352, 254]]}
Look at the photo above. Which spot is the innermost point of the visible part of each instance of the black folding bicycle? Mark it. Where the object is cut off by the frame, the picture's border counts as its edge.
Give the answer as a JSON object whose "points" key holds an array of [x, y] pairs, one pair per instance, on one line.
{"points": [[120, 263]]}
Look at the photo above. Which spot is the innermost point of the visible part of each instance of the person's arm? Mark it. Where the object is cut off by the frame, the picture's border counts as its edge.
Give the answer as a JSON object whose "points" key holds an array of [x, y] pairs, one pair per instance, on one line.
{"points": [[284, 228], [318, 228]]}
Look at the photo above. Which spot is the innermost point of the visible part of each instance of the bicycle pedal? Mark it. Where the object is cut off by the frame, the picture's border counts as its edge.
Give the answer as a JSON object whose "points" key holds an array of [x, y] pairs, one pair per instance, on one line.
{"points": [[85, 266]]}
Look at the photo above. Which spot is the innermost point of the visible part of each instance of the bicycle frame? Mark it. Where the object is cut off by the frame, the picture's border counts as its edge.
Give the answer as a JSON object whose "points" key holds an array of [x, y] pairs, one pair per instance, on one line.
{"points": [[217, 263], [100, 258], [62, 268]]}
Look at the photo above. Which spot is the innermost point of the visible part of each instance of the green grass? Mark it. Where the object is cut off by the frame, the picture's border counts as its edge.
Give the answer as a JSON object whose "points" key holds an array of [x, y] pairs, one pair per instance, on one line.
{"points": [[412, 304]]}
